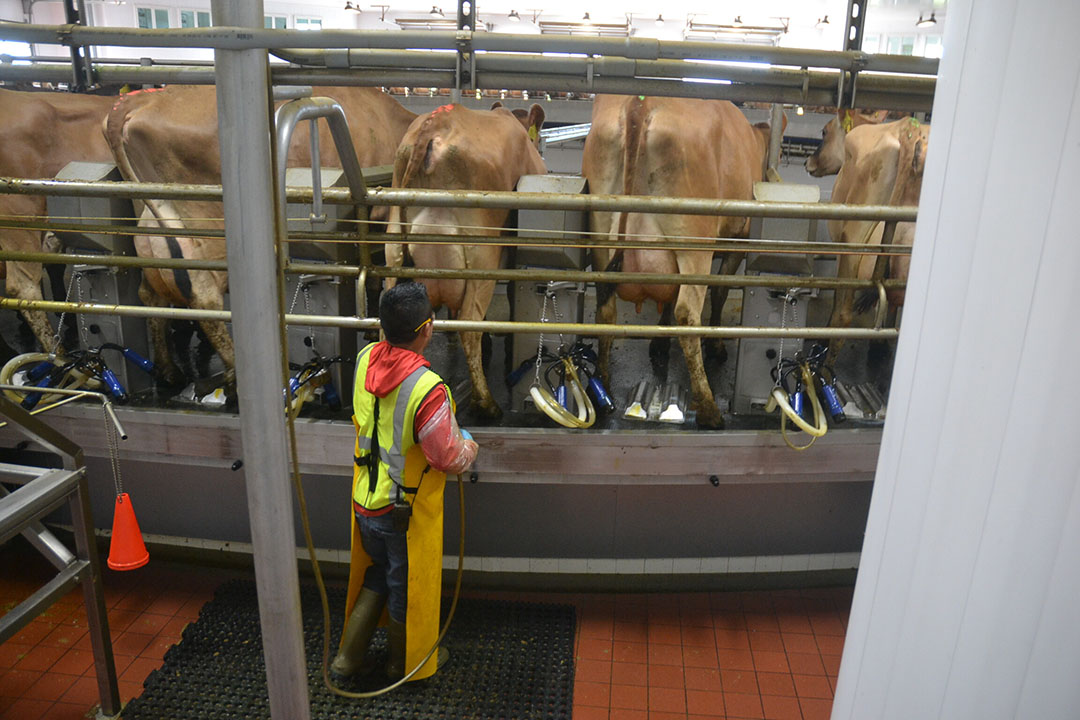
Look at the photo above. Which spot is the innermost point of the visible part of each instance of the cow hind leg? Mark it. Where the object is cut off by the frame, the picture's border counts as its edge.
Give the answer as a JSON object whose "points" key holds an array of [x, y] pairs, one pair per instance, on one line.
{"points": [[715, 349], [843, 306], [606, 312], [168, 374], [24, 283], [474, 307], [688, 313]]}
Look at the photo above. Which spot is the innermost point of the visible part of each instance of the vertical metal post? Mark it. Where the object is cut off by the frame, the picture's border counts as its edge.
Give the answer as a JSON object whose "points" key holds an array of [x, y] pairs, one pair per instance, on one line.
{"points": [[853, 36], [466, 22], [247, 176], [82, 74], [776, 138]]}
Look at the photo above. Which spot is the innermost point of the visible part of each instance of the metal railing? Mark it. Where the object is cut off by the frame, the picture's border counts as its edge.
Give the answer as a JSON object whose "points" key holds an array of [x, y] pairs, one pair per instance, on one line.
{"points": [[43, 490], [464, 198], [418, 59]]}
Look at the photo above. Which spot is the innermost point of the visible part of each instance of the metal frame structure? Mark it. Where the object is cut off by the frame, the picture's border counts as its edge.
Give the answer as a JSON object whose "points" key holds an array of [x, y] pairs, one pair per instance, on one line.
{"points": [[495, 60], [253, 209], [43, 490]]}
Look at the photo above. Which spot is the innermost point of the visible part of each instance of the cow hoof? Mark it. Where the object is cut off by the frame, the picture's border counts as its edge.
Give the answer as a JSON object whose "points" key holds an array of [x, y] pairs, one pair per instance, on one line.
{"points": [[715, 351], [486, 414], [170, 376], [710, 418], [660, 357], [877, 354]]}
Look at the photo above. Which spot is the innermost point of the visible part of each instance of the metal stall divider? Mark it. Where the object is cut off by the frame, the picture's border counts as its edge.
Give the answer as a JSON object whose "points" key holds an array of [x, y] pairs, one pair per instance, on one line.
{"points": [[773, 307], [311, 294], [528, 296], [97, 283]]}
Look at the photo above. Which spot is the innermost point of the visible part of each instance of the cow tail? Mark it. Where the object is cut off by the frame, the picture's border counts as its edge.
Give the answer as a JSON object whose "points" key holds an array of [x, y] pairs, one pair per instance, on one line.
{"points": [[604, 290], [421, 154], [633, 147], [114, 127]]}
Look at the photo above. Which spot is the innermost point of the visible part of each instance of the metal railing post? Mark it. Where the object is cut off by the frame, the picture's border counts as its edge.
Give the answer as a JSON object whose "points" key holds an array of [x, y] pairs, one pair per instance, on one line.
{"points": [[251, 226]]}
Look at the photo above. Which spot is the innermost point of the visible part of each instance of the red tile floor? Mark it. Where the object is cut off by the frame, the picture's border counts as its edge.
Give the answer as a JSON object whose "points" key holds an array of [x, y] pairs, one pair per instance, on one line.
{"points": [[770, 655]]}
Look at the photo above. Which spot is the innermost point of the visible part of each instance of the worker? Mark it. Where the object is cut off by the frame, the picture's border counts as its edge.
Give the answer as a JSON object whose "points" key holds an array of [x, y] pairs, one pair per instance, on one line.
{"points": [[407, 440]]}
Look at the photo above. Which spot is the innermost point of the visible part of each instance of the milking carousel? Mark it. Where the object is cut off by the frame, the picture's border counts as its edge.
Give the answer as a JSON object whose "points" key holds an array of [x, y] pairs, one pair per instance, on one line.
{"points": [[229, 241]]}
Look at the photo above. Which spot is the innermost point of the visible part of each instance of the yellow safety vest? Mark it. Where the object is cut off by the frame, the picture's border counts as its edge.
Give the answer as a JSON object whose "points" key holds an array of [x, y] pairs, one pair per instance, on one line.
{"points": [[401, 463]]}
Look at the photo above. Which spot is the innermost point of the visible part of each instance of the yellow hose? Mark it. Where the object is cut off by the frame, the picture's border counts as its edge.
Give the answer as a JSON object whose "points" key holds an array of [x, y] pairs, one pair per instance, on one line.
{"points": [[546, 403], [779, 399], [73, 380]]}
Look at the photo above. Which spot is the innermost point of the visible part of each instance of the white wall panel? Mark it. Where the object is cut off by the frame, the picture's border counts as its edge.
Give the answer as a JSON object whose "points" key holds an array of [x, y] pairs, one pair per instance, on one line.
{"points": [[957, 599]]}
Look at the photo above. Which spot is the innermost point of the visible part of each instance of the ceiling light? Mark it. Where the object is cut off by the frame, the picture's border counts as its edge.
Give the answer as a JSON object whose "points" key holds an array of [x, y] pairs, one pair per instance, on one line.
{"points": [[659, 21], [435, 11], [927, 22], [586, 17], [350, 6], [799, 110], [514, 17], [822, 21], [737, 21]]}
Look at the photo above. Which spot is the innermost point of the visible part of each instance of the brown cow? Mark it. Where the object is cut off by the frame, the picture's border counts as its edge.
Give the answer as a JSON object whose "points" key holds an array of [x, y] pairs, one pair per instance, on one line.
{"points": [[876, 159], [42, 132], [455, 148], [829, 156], [674, 147], [170, 135]]}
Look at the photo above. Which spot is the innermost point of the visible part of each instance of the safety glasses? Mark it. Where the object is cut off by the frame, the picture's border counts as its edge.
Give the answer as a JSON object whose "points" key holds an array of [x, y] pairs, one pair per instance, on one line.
{"points": [[421, 325]]}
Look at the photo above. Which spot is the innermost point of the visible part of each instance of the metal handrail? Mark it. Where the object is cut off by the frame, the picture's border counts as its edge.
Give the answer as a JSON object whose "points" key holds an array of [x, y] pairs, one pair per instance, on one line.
{"points": [[489, 326], [503, 199]]}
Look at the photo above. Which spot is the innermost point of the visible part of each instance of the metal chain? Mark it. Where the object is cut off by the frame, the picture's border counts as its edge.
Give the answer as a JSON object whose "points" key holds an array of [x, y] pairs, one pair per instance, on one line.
{"points": [[788, 297], [540, 342], [81, 317], [558, 318], [307, 311], [295, 296], [63, 315], [113, 441]]}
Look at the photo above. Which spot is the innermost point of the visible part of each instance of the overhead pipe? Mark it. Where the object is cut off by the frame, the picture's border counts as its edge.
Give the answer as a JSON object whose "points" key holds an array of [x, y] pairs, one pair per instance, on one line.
{"points": [[898, 93], [489, 326], [281, 75], [238, 38]]}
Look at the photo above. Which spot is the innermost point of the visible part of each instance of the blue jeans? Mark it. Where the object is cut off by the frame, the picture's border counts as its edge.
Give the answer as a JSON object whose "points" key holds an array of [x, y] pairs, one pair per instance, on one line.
{"points": [[389, 571]]}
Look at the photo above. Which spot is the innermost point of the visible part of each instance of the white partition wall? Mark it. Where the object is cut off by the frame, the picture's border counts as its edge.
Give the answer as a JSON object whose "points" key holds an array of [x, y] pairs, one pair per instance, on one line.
{"points": [[967, 598]]}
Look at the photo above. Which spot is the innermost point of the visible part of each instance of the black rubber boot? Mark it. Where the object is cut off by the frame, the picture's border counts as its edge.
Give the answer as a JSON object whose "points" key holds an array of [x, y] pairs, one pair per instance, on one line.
{"points": [[395, 664], [395, 638], [351, 657]]}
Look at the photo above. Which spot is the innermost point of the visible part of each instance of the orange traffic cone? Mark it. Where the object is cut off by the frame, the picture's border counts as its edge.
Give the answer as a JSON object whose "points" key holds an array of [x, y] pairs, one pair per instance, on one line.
{"points": [[127, 550]]}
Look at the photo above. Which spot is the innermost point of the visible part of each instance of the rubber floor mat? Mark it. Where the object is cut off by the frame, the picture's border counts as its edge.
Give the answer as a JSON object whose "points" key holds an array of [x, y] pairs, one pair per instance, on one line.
{"points": [[508, 661]]}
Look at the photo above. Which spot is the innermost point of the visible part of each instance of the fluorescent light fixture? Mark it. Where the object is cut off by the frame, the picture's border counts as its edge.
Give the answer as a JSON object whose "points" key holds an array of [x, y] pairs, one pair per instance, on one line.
{"points": [[926, 22]]}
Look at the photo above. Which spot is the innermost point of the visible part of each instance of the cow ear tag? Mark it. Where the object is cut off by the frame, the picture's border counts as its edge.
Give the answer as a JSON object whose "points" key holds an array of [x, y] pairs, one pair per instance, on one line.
{"points": [[533, 134]]}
